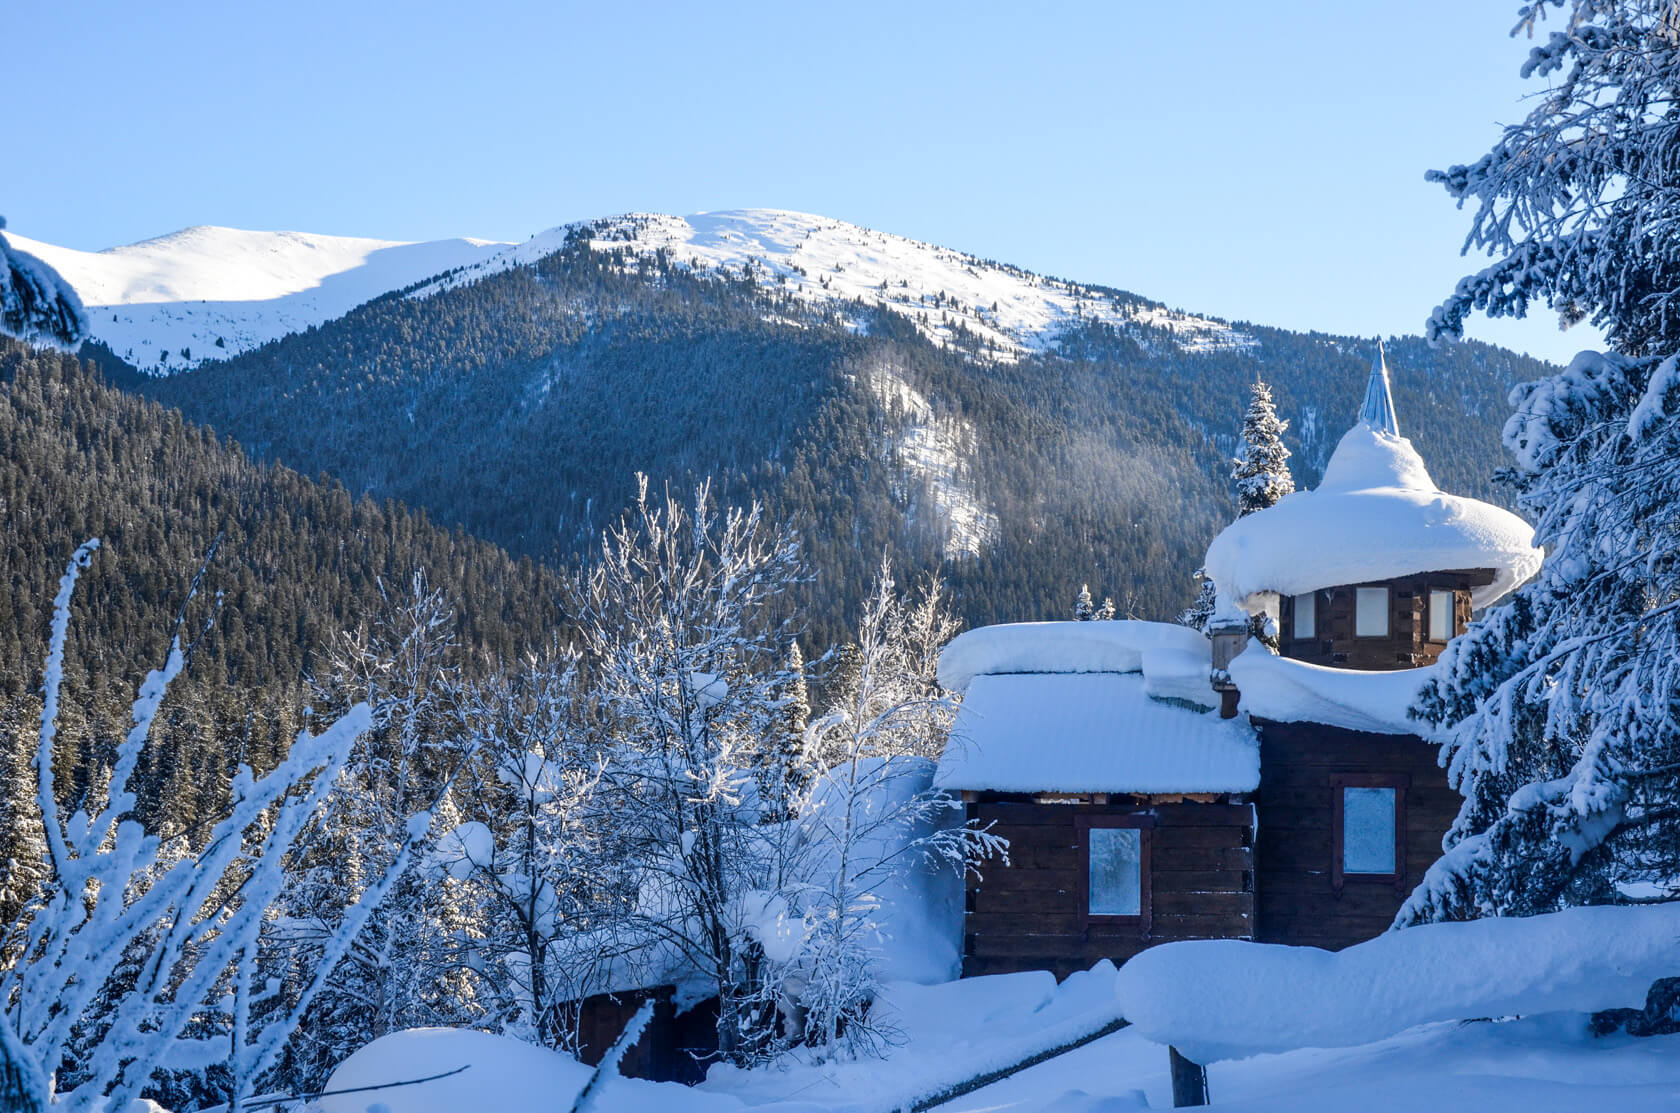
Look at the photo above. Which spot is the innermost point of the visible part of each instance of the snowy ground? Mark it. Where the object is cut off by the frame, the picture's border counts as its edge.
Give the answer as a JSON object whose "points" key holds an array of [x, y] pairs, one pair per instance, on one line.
{"points": [[1546, 1064], [1541, 1065]]}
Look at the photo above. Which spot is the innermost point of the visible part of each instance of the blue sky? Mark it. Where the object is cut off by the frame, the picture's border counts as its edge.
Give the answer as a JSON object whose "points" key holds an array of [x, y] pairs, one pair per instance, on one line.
{"points": [[1257, 162]]}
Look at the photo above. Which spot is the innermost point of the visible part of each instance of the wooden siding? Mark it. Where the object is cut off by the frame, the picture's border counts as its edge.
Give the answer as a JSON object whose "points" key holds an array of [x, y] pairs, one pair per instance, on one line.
{"points": [[1027, 916], [1296, 901], [675, 1047], [1407, 645]]}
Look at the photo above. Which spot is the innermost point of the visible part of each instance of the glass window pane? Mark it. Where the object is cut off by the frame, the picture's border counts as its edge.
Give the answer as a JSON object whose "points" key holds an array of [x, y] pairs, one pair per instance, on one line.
{"points": [[1116, 871], [1371, 612], [1368, 830], [1306, 615], [1440, 615]]}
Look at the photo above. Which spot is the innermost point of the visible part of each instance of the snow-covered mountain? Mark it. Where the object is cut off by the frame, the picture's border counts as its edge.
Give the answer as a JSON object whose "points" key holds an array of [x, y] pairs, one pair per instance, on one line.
{"points": [[207, 293], [822, 260]]}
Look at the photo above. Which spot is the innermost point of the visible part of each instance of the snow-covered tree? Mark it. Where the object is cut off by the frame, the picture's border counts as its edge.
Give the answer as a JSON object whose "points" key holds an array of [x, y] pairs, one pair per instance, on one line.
{"points": [[539, 850], [869, 818], [1084, 610], [1561, 709], [1575, 203], [164, 948], [679, 624], [1260, 473], [36, 304], [23, 848], [1196, 615], [400, 663]]}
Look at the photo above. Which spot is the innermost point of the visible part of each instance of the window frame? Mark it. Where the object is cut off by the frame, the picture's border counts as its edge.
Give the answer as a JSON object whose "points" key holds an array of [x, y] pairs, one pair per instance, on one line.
{"points": [[1295, 616], [1388, 611], [1452, 615], [1145, 826], [1400, 783]]}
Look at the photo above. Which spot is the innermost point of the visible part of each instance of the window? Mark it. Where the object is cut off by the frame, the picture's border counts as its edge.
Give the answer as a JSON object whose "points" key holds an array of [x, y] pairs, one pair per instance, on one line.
{"points": [[1369, 828], [1115, 874], [1370, 615], [1306, 615], [1440, 616]]}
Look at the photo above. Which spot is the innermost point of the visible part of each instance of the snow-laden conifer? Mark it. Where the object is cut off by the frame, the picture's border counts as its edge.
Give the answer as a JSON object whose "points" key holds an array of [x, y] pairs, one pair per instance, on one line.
{"points": [[36, 304], [1260, 473]]}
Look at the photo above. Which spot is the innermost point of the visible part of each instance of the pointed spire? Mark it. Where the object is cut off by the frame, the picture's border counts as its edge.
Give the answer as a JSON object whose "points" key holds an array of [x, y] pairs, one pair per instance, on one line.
{"points": [[1378, 410]]}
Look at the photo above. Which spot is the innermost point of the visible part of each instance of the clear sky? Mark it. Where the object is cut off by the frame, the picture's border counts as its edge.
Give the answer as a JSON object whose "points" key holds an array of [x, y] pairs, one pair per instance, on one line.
{"points": [[1260, 162]]}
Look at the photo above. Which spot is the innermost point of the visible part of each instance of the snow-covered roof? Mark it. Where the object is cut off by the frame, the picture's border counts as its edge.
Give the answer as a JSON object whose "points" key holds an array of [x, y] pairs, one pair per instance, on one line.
{"points": [[1091, 732], [1064, 647], [1289, 691], [1376, 515]]}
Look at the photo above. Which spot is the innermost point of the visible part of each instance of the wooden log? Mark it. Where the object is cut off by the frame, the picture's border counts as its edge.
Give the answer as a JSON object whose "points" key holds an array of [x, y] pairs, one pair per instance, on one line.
{"points": [[1189, 1081]]}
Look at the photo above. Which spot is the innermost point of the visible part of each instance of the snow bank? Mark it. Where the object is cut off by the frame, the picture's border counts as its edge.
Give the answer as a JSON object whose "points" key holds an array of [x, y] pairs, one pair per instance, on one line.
{"points": [[1180, 674], [1289, 691], [503, 1075], [1093, 732], [1227, 999], [1065, 647], [945, 1034], [1376, 515]]}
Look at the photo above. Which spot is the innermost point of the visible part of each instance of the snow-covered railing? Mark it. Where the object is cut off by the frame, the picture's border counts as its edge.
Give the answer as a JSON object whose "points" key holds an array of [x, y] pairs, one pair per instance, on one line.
{"points": [[1228, 999]]}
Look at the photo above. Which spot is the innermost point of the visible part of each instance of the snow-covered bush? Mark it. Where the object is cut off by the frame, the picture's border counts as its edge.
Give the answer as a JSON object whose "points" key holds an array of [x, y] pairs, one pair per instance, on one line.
{"points": [[159, 952]]}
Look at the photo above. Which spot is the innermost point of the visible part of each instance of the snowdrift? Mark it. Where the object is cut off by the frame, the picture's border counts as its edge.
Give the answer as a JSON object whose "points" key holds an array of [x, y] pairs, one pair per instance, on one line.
{"points": [[1288, 691], [1227, 999], [502, 1075]]}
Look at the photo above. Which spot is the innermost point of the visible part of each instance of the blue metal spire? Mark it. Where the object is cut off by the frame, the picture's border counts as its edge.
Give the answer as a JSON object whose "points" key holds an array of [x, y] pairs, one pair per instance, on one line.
{"points": [[1378, 410]]}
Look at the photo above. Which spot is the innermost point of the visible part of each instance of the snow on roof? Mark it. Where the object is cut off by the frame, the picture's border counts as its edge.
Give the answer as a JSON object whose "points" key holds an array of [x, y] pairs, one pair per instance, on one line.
{"points": [[1091, 732], [1377, 515], [1227, 999], [1061, 647], [1289, 691]]}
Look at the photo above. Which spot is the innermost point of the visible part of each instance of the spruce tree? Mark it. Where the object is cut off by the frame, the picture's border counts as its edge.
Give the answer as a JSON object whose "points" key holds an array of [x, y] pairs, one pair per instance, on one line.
{"points": [[1560, 711], [1260, 472], [1083, 609], [23, 850]]}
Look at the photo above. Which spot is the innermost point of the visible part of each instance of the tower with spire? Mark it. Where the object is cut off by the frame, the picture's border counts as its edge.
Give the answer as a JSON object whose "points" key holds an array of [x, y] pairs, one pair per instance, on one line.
{"points": [[1377, 567]]}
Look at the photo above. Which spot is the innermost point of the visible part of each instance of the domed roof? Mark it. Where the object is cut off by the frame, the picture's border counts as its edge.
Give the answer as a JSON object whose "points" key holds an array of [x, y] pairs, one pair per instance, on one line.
{"points": [[1376, 515]]}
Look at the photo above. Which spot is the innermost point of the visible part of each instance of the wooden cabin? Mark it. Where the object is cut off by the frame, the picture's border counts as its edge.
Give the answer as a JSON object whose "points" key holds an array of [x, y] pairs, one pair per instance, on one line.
{"points": [[1130, 818], [1156, 784]]}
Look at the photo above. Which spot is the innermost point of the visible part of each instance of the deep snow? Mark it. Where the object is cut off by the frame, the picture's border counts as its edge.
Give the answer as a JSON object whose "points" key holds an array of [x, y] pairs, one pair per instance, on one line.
{"points": [[154, 302]]}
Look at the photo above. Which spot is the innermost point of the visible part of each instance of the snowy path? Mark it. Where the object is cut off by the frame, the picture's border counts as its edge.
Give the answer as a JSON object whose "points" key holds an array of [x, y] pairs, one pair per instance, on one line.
{"points": [[1542, 1065]]}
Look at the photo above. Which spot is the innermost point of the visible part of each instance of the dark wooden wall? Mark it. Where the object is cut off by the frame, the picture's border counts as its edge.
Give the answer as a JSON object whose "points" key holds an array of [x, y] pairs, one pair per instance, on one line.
{"points": [[1026, 916], [1295, 900], [1407, 644], [675, 1047]]}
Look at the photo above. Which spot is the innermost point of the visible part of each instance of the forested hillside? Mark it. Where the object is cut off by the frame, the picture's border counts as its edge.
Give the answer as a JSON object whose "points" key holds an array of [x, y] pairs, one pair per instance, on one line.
{"points": [[520, 406], [298, 561]]}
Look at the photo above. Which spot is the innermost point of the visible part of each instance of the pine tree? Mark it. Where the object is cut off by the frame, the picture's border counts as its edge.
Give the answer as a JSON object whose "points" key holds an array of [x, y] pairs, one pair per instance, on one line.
{"points": [[1083, 609], [23, 848], [1560, 711], [1260, 472]]}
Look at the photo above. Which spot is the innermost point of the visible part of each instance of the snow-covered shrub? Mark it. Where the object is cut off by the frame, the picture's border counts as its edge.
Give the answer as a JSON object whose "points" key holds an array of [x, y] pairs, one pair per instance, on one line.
{"points": [[159, 952]]}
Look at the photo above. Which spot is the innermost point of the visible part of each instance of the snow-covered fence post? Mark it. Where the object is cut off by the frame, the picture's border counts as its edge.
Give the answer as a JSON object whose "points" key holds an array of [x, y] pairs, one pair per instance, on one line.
{"points": [[1189, 1080]]}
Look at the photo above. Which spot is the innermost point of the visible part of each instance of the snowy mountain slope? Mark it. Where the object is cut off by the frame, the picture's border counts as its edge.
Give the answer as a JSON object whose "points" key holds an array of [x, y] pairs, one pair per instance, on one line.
{"points": [[823, 261], [208, 293]]}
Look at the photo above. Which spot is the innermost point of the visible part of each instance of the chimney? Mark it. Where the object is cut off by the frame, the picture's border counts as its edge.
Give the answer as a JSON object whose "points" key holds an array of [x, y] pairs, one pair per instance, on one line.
{"points": [[1229, 634]]}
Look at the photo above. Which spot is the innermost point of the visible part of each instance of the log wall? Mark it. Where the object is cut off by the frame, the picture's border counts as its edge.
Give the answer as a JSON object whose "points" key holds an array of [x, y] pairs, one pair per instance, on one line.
{"points": [[1027, 915], [1408, 643], [1296, 901]]}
